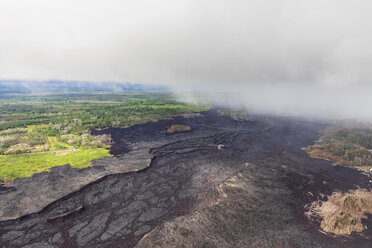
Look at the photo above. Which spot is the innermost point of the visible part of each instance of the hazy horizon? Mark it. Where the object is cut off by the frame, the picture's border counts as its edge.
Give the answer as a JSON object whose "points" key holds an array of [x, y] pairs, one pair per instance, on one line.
{"points": [[291, 57]]}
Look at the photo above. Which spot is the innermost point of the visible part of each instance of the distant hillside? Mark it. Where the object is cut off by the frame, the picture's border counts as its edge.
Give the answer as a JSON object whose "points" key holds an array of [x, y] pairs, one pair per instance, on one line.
{"points": [[26, 87]]}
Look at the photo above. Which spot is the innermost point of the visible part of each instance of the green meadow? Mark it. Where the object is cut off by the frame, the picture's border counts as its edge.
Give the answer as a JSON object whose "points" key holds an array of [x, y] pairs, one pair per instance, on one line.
{"points": [[25, 165]]}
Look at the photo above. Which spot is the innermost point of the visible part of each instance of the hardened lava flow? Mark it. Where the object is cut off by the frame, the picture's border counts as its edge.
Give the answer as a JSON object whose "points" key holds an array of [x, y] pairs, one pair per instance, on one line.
{"points": [[224, 183]]}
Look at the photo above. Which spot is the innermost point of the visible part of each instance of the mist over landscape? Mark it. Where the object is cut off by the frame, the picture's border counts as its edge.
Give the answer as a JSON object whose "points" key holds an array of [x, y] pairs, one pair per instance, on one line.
{"points": [[188, 123], [292, 57]]}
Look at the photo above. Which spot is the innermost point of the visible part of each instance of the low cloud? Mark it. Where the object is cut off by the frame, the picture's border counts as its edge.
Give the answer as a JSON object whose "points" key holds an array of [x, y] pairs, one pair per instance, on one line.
{"points": [[309, 101], [280, 56]]}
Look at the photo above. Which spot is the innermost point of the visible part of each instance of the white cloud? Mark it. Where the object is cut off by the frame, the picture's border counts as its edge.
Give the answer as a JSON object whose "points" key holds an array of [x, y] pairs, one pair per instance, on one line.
{"points": [[235, 44]]}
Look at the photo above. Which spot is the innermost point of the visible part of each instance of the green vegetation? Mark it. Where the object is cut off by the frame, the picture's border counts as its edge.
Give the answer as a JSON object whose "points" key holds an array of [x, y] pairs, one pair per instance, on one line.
{"points": [[33, 126], [24, 165], [78, 112], [346, 145]]}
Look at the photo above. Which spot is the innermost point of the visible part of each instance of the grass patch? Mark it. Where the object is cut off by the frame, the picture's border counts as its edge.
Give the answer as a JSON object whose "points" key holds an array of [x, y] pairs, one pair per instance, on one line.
{"points": [[25, 165], [55, 145], [31, 128]]}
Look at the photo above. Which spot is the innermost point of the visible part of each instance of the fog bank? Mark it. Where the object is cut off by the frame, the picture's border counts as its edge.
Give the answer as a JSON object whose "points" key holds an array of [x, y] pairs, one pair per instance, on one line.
{"points": [[279, 56], [309, 101]]}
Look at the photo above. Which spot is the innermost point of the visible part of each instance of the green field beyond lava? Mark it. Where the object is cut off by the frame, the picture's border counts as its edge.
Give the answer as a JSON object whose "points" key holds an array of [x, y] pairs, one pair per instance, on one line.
{"points": [[38, 132]]}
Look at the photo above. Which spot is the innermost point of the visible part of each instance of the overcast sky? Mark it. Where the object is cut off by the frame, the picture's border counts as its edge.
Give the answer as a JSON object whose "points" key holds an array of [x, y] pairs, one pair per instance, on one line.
{"points": [[320, 50]]}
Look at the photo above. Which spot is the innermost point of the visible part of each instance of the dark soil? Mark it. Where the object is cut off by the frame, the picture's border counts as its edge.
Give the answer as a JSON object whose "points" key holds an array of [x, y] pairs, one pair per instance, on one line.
{"points": [[250, 193]]}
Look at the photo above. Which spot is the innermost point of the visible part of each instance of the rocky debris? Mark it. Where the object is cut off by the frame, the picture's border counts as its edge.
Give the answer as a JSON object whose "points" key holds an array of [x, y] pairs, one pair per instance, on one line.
{"points": [[194, 195], [65, 213], [248, 214], [86, 233], [256, 208]]}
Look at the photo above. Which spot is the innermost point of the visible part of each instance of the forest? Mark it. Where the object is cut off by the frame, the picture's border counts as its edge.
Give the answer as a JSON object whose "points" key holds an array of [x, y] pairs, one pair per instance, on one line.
{"points": [[58, 126], [346, 144]]}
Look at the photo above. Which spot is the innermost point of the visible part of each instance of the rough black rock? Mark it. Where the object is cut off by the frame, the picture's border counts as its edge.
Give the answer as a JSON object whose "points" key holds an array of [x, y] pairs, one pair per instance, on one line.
{"points": [[251, 193]]}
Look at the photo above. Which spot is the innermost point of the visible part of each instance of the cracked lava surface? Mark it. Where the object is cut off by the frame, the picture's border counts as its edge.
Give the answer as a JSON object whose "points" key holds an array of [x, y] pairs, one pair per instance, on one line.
{"points": [[184, 190]]}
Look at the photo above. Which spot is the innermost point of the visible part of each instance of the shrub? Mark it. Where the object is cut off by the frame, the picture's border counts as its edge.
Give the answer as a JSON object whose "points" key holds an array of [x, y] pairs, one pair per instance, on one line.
{"points": [[19, 148]]}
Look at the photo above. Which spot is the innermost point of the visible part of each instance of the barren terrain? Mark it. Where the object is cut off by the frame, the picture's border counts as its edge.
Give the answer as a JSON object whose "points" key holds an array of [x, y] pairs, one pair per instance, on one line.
{"points": [[223, 183]]}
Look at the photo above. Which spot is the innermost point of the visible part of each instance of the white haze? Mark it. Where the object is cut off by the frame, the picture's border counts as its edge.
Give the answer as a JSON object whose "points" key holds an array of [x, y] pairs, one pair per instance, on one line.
{"points": [[275, 56]]}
